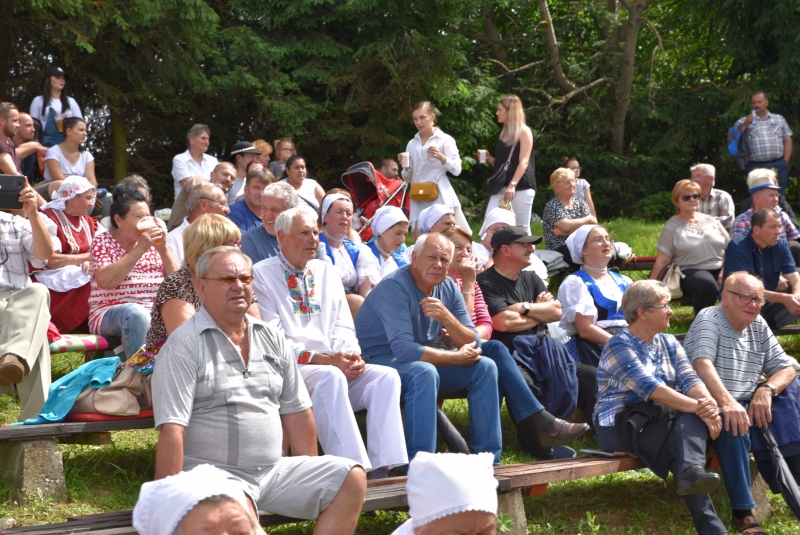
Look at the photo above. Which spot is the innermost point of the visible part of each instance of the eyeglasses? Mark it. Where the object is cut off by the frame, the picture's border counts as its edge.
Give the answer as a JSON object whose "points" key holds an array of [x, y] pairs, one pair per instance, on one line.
{"points": [[286, 149], [227, 281], [221, 203], [666, 307], [746, 299], [601, 240], [575, 168], [692, 197]]}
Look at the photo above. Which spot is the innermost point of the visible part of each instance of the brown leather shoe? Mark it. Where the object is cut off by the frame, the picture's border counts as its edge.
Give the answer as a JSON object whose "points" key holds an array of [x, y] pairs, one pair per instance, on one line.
{"points": [[749, 526], [11, 370], [564, 431]]}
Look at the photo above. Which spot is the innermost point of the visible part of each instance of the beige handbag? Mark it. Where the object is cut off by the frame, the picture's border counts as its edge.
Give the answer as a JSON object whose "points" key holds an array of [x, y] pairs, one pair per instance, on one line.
{"points": [[671, 277], [128, 393], [423, 191]]}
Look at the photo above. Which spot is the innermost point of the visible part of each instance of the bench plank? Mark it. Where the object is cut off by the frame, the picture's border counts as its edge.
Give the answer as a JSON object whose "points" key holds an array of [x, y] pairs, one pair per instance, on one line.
{"points": [[38, 432]]}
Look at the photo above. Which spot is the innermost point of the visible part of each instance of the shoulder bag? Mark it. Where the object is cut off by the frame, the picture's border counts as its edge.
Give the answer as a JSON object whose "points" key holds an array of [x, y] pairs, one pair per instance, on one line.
{"points": [[671, 277], [499, 179], [423, 191]]}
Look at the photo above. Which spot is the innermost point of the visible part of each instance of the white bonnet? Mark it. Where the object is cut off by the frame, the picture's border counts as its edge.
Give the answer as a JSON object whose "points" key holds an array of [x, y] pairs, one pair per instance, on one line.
{"points": [[430, 215], [71, 187], [385, 218], [576, 241], [497, 215]]}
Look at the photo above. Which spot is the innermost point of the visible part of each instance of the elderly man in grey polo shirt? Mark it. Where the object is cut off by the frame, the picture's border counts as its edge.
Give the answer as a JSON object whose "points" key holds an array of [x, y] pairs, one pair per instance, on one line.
{"points": [[730, 346], [223, 385]]}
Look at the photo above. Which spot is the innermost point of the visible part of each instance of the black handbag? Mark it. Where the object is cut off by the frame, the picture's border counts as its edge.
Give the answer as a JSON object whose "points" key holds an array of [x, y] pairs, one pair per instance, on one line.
{"points": [[499, 179]]}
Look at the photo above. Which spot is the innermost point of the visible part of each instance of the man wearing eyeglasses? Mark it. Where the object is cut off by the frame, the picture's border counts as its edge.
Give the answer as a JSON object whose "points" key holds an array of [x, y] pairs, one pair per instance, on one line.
{"points": [[304, 299], [203, 198], [24, 306], [225, 384], [730, 346], [763, 253]]}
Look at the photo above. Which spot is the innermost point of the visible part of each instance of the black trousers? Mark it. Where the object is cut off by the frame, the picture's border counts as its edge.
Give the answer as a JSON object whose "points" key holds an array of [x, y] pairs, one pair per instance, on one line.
{"points": [[701, 285], [587, 388]]}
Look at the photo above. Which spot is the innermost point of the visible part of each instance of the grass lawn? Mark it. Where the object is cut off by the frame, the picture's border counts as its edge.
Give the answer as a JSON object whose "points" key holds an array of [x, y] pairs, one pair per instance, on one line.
{"points": [[107, 478]]}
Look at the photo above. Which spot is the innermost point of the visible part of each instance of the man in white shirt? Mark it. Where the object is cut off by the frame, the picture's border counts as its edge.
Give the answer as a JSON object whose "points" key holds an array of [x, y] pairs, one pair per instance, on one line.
{"points": [[204, 198], [304, 298], [194, 161], [242, 154]]}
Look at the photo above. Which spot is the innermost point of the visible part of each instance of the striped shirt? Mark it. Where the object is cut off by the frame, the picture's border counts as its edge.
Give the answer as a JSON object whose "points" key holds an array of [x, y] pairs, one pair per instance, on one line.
{"points": [[739, 357], [743, 222], [766, 137], [139, 287], [630, 370], [16, 250], [718, 204]]}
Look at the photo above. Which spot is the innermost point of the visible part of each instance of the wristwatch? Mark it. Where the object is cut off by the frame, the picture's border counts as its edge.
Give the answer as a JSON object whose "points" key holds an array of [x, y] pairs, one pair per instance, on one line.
{"points": [[526, 307], [772, 389]]}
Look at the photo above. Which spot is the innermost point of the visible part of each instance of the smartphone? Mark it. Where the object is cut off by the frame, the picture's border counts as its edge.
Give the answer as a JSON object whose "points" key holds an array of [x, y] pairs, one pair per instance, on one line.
{"points": [[10, 188]]}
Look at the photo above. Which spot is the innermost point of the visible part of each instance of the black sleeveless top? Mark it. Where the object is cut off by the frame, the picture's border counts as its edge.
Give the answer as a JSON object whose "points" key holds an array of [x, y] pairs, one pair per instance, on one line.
{"points": [[528, 180]]}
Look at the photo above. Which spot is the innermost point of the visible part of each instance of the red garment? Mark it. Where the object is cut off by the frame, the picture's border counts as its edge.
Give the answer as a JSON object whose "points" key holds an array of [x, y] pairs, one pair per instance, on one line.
{"points": [[480, 313], [68, 310]]}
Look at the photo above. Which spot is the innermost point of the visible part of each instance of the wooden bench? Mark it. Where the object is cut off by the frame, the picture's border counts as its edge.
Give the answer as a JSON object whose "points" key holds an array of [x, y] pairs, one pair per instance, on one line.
{"points": [[515, 481]]}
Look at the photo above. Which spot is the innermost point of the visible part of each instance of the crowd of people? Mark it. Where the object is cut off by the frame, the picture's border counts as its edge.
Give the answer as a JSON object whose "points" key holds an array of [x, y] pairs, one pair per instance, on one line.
{"points": [[273, 322]]}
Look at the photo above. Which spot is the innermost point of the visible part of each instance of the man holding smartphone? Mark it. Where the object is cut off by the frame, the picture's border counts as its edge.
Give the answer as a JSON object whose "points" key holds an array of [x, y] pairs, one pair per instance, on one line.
{"points": [[24, 305]]}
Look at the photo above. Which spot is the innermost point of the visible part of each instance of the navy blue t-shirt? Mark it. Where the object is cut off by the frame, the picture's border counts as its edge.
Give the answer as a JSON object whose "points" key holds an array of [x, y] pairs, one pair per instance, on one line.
{"points": [[744, 254]]}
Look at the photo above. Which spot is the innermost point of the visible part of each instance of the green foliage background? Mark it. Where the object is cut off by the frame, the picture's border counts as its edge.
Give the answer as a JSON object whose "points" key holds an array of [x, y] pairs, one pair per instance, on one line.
{"points": [[340, 77]]}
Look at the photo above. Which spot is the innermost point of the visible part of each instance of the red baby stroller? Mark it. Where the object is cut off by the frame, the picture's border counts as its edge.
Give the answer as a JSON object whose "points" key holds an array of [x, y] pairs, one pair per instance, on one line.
{"points": [[371, 190]]}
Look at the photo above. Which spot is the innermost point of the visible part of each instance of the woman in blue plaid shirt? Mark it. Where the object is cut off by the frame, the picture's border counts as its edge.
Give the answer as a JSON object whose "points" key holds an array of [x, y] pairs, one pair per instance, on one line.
{"points": [[642, 364]]}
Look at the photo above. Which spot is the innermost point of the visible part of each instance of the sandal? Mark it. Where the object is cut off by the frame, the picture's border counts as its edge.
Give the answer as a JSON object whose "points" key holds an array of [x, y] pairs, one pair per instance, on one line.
{"points": [[749, 526]]}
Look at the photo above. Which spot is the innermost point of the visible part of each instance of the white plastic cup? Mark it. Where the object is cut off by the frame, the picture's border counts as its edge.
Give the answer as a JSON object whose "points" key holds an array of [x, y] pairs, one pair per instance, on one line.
{"points": [[405, 159], [482, 155]]}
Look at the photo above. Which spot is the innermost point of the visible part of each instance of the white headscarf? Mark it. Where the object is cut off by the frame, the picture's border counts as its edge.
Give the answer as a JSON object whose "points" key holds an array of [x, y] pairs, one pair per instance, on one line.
{"points": [[163, 503], [430, 215], [329, 200], [385, 218], [498, 215], [444, 484], [69, 189], [576, 241]]}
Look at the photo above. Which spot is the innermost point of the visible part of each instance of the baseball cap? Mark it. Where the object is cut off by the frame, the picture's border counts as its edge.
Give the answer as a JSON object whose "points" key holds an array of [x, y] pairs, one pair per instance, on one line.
{"points": [[54, 71], [509, 235]]}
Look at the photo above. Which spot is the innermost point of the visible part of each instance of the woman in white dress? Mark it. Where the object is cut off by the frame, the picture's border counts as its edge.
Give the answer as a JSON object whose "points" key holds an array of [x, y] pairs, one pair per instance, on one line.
{"points": [[355, 262], [591, 298], [432, 154], [69, 158], [53, 106], [390, 227]]}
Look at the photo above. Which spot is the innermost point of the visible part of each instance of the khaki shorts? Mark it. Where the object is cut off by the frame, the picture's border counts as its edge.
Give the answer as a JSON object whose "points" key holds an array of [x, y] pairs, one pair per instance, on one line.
{"points": [[297, 487]]}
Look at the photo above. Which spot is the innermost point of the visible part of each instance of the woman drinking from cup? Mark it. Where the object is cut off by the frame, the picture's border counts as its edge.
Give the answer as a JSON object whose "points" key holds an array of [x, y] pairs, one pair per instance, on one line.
{"points": [[128, 264], [53, 106], [429, 156], [515, 148], [308, 190], [66, 275], [69, 158]]}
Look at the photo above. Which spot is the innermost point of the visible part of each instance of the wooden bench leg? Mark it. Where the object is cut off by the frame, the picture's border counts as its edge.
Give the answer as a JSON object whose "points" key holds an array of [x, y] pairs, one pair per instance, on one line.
{"points": [[758, 488], [511, 504], [33, 469]]}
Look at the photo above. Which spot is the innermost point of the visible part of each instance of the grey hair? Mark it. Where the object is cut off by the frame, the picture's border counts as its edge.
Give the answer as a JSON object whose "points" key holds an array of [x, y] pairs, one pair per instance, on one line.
{"points": [[707, 169], [196, 130], [283, 223], [423, 239], [138, 181], [219, 499], [283, 191], [642, 294], [199, 191], [204, 263]]}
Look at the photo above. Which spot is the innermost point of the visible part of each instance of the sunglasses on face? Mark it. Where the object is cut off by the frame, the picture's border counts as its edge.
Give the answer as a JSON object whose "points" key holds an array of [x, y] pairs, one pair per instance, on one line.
{"points": [[691, 197], [228, 281]]}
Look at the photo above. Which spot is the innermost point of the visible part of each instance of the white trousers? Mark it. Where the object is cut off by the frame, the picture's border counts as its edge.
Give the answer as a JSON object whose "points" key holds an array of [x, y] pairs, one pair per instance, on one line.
{"points": [[335, 399], [522, 205]]}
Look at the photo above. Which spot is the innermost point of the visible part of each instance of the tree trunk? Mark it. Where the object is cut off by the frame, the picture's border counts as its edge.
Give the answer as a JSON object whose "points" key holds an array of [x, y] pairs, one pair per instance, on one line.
{"points": [[622, 94], [564, 83], [497, 51], [120, 142]]}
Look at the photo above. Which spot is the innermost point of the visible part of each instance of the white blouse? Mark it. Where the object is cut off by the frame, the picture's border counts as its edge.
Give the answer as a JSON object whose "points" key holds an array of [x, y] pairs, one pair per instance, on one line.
{"points": [[67, 168], [427, 169], [575, 299], [354, 276]]}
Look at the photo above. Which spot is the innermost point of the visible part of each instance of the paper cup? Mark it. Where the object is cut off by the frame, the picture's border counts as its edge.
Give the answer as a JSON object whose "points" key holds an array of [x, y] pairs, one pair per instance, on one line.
{"points": [[405, 158], [482, 156]]}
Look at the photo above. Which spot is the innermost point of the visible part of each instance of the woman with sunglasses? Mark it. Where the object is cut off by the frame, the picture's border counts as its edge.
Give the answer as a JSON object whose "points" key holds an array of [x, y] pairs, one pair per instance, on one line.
{"points": [[591, 297], [696, 242], [176, 300]]}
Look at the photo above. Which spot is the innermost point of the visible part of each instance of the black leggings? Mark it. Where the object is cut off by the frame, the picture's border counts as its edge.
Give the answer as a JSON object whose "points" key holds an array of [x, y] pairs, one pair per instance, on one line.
{"points": [[701, 285]]}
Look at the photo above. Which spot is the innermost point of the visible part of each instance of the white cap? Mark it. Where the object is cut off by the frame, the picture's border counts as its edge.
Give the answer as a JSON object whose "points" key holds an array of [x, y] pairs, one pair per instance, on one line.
{"points": [[498, 215], [385, 218], [163, 503], [430, 215], [71, 187], [328, 201], [443, 484], [577, 240]]}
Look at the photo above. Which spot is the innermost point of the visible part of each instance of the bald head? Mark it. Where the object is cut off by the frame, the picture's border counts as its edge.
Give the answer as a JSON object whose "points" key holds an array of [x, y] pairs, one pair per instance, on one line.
{"points": [[27, 129]]}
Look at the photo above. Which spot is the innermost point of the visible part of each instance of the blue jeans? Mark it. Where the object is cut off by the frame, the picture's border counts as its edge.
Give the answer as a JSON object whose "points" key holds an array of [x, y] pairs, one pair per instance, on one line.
{"points": [[780, 165], [519, 398], [687, 443], [734, 463], [421, 384], [129, 322]]}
